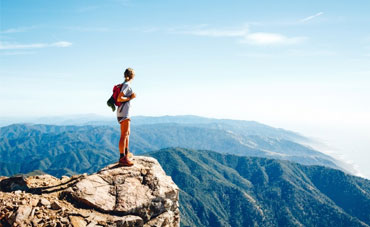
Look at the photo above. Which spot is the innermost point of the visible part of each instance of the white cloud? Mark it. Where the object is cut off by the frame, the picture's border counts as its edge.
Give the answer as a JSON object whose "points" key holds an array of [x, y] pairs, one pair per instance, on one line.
{"points": [[145, 29], [88, 29], [311, 17], [61, 44], [262, 38], [290, 53], [217, 32], [253, 38], [16, 30], [13, 46]]}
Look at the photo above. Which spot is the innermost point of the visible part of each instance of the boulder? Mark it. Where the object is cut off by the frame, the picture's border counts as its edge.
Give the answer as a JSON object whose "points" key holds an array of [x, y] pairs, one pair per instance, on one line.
{"points": [[141, 195], [142, 190]]}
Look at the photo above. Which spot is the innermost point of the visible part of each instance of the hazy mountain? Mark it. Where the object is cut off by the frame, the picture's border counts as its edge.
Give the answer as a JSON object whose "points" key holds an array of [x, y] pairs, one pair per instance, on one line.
{"points": [[78, 119], [66, 150], [239, 126], [229, 190], [156, 136]]}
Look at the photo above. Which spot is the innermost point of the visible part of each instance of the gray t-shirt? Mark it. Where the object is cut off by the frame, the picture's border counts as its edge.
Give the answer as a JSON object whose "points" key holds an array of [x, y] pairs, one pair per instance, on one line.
{"points": [[124, 109]]}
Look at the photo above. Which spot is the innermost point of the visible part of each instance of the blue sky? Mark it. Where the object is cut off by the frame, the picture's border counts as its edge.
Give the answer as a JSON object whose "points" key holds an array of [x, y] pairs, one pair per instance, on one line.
{"points": [[299, 65]]}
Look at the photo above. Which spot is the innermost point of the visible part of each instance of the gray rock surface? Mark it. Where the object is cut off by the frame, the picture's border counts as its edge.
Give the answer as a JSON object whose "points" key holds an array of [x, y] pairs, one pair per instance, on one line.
{"points": [[141, 195]]}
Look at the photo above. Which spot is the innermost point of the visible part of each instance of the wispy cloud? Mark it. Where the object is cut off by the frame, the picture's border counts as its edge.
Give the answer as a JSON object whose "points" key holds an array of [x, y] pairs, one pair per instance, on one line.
{"points": [[13, 53], [311, 53], [262, 38], [245, 35], [311, 17], [88, 29], [216, 32], [290, 53], [15, 46], [16, 30]]}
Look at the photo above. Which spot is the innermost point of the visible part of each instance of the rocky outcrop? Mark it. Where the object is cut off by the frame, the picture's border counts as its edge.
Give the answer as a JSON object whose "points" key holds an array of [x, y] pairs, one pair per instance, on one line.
{"points": [[141, 195]]}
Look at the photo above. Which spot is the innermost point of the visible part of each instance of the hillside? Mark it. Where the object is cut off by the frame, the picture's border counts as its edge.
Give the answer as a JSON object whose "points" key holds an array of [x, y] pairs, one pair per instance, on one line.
{"points": [[56, 150], [229, 190]]}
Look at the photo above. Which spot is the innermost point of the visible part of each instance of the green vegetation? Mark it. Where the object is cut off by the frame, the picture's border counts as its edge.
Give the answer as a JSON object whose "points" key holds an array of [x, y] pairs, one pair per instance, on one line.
{"points": [[229, 190], [57, 150]]}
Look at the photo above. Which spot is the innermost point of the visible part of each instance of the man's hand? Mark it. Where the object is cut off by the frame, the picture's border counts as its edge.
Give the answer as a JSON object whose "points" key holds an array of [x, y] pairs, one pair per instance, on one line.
{"points": [[133, 95]]}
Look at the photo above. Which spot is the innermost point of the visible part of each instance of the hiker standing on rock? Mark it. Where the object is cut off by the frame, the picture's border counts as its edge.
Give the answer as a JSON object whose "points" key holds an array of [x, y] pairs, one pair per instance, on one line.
{"points": [[125, 96]]}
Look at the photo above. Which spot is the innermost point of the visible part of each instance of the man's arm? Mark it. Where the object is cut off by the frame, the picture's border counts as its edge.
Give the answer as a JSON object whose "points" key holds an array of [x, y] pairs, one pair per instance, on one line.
{"points": [[121, 97]]}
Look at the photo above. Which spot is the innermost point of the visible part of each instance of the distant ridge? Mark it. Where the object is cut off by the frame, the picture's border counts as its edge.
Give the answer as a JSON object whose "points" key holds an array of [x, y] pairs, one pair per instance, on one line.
{"points": [[27, 147]]}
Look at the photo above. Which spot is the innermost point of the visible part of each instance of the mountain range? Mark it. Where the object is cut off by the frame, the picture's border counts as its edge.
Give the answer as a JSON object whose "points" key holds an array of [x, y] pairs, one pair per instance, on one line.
{"points": [[66, 150], [231, 173]]}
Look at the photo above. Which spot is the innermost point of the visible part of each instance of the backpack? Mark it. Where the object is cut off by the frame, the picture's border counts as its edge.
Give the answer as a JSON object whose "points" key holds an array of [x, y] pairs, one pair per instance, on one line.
{"points": [[112, 101]]}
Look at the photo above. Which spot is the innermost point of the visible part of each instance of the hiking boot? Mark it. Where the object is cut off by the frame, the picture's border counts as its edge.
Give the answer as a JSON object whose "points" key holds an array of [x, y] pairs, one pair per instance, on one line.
{"points": [[121, 156], [125, 161], [128, 153]]}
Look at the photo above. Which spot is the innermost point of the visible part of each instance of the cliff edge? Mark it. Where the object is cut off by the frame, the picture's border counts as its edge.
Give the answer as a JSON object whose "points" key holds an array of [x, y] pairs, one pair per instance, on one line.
{"points": [[141, 195]]}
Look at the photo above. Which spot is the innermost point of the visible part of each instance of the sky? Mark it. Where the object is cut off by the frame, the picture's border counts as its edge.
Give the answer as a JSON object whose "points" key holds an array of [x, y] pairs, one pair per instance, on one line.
{"points": [[298, 65]]}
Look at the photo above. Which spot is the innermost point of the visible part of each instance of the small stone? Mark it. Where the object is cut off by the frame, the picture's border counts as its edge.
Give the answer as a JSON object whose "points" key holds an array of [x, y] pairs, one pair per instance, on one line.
{"points": [[44, 202], [22, 213], [64, 178], [129, 220], [64, 220], [92, 224], [98, 218], [18, 192], [103, 223], [77, 221], [34, 202], [84, 213], [55, 206], [168, 204]]}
